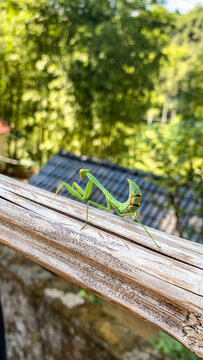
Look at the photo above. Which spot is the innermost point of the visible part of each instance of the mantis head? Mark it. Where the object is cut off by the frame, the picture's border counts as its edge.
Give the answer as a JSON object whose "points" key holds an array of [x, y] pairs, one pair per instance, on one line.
{"points": [[83, 173], [135, 196]]}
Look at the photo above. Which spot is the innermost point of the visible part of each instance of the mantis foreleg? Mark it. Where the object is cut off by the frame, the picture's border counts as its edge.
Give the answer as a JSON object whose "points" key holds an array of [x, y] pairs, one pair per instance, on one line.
{"points": [[82, 195]]}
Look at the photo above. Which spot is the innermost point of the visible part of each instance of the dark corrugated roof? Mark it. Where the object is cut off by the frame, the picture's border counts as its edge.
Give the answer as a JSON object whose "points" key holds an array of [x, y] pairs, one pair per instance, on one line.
{"points": [[64, 167]]}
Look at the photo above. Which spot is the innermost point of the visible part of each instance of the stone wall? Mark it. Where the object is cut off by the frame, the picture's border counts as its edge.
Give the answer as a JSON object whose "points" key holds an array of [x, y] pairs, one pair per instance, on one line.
{"points": [[47, 318]]}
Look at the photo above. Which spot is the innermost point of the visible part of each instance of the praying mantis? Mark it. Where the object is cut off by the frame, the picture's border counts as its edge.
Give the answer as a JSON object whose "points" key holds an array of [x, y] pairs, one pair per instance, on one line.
{"points": [[129, 207]]}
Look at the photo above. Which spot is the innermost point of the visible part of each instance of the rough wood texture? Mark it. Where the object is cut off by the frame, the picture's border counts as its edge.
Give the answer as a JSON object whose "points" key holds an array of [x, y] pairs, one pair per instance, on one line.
{"points": [[112, 257]]}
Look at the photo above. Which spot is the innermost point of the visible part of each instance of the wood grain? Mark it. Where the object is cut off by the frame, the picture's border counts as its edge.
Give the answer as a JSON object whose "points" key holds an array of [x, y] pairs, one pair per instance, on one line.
{"points": [[112, 257]]}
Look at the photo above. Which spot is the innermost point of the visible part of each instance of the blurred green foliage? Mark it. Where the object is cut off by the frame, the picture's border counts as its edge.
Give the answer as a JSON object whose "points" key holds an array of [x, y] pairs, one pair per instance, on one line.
{"points": [[33, 96], [181, 76], [174, 151], [81, 74], [173, 349], [91, 297], [76, 74], [115, 50]]}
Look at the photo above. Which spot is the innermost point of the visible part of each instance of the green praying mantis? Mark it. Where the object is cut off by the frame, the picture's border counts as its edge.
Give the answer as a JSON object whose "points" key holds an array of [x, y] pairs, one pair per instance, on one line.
{"points": [[129, 207]]}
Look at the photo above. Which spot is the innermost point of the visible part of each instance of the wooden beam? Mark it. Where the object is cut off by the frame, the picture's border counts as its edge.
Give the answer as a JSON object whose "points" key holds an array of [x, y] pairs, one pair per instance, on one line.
{"points": [[112, 257]]}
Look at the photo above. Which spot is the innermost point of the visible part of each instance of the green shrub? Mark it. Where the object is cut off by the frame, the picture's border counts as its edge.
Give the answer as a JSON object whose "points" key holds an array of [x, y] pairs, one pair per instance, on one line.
{"points": [[173, 348]]}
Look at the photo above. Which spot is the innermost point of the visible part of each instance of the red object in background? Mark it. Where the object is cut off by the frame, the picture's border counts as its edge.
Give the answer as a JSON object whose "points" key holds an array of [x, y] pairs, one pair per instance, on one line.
{"points": [[4, 127]]}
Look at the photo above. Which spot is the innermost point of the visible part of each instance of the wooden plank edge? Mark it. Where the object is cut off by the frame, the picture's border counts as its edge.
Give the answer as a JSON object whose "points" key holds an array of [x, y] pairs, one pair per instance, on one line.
{"points": [[174, 246]]}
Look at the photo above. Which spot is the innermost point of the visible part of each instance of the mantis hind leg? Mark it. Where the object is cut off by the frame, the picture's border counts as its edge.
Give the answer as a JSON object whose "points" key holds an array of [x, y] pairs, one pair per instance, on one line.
{"points": [[137, 218], [100, 206]]}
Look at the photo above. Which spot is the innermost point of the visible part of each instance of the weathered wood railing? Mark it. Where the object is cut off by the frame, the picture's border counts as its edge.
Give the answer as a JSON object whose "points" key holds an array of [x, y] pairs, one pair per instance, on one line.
{"points": [[112, 257]]}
